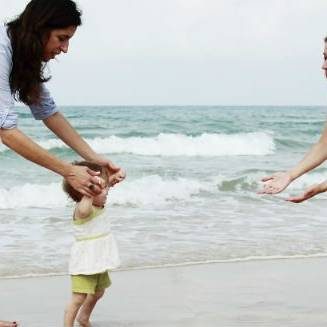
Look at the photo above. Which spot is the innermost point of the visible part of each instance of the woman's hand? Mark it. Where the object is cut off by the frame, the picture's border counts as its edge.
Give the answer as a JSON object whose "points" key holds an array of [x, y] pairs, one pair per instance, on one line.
{"points": [[84, 180], [103, 161], [275, 183], [116, 173], [309, 193]]}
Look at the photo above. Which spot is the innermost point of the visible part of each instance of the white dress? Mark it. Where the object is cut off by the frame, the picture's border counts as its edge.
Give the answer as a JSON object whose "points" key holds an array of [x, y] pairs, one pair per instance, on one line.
{"points": [[95, 249]]}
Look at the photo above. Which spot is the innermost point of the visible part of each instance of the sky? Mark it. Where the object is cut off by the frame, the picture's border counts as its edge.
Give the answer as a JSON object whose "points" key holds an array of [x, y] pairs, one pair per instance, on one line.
{"points": [[192, 52]]}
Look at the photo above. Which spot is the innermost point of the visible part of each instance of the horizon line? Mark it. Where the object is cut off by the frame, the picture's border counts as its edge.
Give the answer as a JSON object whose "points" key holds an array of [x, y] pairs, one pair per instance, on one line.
{"points": [[186, 105]]}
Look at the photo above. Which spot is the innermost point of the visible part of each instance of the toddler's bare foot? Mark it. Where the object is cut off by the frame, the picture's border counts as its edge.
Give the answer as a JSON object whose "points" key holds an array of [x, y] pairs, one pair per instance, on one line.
{"points": [[8, 323]]}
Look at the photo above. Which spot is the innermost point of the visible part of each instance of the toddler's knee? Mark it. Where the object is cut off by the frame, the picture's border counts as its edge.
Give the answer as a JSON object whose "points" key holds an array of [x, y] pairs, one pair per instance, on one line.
{"points": [[99, 295], [78, 299]]}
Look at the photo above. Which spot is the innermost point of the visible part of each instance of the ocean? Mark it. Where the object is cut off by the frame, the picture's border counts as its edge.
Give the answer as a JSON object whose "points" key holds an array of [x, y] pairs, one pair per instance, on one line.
{"points": [[190, 195]]}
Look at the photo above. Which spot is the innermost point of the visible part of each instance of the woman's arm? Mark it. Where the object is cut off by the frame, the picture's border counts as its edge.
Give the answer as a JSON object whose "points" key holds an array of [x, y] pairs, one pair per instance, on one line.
{"points": [[62, 128], [58, 124], [79, 177], [316, 156]]}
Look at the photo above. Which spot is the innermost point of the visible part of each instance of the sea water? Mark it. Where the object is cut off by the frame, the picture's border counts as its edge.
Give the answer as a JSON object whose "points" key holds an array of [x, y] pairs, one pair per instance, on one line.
{"points": [[190, 195]]}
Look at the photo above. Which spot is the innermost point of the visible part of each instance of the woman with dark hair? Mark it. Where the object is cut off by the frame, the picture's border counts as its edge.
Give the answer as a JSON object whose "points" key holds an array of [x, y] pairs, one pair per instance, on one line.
{"points": [[40, 33]]}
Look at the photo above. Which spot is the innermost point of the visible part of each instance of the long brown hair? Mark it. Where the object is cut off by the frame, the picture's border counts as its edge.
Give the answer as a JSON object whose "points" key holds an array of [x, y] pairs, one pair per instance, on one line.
{"points": [[27, 33]]}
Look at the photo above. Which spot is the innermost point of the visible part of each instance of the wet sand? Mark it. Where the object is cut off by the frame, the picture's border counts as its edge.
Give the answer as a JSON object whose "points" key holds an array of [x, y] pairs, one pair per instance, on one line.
{"points": [[257, 293]]}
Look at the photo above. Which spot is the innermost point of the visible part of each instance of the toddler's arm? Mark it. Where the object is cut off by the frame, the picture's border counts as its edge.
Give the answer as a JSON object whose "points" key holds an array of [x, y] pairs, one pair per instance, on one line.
{"points": [[84, 207]]}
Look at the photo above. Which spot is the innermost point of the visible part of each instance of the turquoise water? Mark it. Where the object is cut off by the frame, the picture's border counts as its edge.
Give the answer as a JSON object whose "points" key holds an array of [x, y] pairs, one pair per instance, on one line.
{"points": [[190, 195]]}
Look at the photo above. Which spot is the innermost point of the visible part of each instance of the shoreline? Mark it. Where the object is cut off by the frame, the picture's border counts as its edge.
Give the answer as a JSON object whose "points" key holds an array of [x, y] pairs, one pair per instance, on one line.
{"points": [[184, 264], [253, 293]]}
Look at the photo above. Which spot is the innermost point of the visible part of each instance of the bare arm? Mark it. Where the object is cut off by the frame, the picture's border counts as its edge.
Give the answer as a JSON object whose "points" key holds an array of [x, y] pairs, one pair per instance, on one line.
{"points": [[84, 207], [279, 181], [27, 148], [316, 156], [58, 124], [79, 178]]}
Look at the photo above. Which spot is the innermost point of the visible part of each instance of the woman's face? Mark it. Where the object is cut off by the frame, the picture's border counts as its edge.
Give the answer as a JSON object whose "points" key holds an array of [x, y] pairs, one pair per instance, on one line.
{"points": [[58, 42], [324, 66]]}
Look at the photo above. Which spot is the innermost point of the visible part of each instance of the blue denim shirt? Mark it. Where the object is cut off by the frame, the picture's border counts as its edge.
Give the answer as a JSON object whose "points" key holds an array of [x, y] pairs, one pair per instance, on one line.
{"points": [[8, 116]]}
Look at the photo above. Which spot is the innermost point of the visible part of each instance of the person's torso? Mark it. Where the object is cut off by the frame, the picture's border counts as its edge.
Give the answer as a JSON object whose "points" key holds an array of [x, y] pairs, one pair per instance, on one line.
{"points": [[94, 226]]}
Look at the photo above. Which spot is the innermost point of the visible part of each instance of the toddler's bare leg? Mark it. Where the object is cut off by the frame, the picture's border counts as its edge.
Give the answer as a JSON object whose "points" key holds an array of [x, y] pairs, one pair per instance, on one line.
{"points": [[87, 308], [8, 323], [72, 308]]}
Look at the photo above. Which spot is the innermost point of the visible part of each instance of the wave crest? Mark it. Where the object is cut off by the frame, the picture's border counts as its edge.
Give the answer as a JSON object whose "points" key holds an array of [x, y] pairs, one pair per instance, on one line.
{"points": [[210, 145], [146, 191]]}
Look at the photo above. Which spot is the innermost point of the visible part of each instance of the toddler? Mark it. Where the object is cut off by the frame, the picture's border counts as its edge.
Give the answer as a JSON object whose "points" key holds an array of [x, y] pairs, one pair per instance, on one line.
{"points": [[94, 251]]}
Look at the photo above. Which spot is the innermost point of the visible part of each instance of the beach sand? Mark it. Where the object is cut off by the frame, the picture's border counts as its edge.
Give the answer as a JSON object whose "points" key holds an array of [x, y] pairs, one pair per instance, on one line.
{"points": [[254, 293]]}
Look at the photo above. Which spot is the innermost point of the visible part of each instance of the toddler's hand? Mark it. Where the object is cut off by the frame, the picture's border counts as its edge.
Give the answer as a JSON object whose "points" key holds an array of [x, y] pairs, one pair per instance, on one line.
{"points": [[101, 182], [117, 177]]}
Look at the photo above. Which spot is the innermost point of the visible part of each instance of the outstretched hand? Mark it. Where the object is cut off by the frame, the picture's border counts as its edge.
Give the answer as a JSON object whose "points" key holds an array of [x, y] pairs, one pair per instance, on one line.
{"points": [[116, 173], [309, 193], [275, 183]]}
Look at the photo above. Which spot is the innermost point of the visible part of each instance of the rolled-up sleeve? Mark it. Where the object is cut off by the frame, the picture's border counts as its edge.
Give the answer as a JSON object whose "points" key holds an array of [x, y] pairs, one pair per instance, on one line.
{"points": [[8, 118], [46, 107]]}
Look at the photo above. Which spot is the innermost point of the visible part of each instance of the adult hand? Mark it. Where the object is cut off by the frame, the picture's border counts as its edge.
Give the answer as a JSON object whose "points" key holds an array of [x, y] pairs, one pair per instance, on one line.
{"points": [[275, 183], [84, 180], [309, 193], [116, 173]]}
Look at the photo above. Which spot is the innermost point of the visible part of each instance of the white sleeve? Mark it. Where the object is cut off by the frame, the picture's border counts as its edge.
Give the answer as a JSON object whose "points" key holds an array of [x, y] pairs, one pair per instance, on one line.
{"points": [[46, 107], [8, 118]]}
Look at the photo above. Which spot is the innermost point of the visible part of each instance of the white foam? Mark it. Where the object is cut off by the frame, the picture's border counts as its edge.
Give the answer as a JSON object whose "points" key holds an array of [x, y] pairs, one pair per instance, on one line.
{"points": [[146, 191], [151, 191], [154, 190], [257, 143], [32, 195]]}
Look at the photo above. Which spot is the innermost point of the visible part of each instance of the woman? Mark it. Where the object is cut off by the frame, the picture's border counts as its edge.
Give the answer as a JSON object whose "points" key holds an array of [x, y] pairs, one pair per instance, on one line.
{"points": [[40, 33], [316, 156]]}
